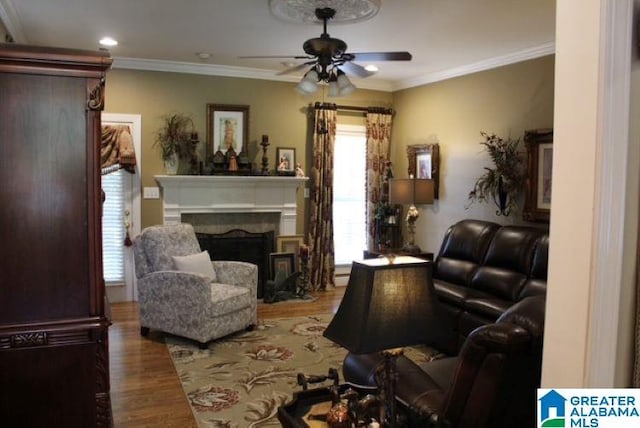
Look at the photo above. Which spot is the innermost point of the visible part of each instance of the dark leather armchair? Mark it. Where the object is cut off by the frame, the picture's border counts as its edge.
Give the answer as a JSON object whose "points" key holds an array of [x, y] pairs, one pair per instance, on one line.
{"points": [[491, 383]]}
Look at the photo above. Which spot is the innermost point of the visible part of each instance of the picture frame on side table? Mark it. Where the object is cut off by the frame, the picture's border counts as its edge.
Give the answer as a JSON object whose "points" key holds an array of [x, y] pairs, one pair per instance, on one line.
{"points": [[290, 244], [227, 127], [281, 262], [424, 163], [537, 205], [286, 160]]}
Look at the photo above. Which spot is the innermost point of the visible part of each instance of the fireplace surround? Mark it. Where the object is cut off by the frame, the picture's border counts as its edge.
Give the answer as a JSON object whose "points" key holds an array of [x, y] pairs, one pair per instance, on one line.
{"points": [[202, 194], [229, 212]]}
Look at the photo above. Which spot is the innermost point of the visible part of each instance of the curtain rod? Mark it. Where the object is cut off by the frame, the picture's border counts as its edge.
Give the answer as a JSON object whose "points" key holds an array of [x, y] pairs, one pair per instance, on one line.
{"points": [[355, 108]]}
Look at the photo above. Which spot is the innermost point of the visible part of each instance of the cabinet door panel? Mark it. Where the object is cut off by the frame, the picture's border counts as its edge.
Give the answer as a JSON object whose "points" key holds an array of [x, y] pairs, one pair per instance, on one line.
{"points": [[44, 259]]}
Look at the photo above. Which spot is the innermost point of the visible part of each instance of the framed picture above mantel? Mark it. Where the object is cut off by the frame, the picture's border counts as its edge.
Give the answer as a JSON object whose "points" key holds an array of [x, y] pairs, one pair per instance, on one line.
{"points": [[227, 127]]}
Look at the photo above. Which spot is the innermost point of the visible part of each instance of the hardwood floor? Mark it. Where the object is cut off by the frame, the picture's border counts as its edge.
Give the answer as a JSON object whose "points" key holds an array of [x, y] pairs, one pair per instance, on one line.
{"points": [[145, 390]]}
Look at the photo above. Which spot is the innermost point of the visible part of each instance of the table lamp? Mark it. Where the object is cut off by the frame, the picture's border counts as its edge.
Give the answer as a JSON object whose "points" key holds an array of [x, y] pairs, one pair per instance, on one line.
{"points": [[388, 304], [411, 191]]}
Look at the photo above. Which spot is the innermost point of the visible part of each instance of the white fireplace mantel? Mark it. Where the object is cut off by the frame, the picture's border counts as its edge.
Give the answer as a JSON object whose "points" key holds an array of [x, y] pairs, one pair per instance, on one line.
{"points": [[195, 194]]}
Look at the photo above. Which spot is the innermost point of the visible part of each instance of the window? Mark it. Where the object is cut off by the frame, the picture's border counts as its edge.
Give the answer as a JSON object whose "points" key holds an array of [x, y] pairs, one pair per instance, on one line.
{"points": [[113, 230], [349, 203]]}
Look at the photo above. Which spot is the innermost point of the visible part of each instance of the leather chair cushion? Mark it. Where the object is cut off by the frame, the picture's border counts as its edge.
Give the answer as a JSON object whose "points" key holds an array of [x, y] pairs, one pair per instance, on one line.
{"points": [[500, 282], [454, 271], [489, 307], [468, 240], [512, 248]]}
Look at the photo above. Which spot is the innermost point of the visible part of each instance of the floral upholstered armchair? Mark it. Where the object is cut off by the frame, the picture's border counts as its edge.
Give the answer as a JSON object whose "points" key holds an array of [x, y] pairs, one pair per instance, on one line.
{"points": [[182, 292]]}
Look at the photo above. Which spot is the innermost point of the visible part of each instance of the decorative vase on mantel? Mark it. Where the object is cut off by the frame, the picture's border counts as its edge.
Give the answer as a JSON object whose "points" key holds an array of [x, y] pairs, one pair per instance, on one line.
{"points": [[171, 164]]}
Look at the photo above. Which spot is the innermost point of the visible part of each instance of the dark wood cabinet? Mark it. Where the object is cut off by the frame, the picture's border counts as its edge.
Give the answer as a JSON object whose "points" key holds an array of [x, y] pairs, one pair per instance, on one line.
{"points": [[54, 366]]}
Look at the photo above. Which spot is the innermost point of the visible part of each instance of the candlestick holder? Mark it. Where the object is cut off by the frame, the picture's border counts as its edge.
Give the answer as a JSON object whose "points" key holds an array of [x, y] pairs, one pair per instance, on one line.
{"points": [[265, 159], [303, 287]]}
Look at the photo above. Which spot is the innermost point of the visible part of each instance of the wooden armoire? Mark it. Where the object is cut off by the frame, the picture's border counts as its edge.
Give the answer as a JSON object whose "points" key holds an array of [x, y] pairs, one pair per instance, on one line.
{"points": [[54, 363]]}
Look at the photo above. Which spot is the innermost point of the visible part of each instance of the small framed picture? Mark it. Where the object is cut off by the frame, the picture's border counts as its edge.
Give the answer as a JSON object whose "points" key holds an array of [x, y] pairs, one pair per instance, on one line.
{"points": [[227, 128], [286, 160], [290, 244], [281, 262]]}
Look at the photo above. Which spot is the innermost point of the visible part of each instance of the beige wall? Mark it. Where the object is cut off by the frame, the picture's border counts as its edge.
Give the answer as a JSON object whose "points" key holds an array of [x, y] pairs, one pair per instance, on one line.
{"points": [[506, 101], [276, 109]]}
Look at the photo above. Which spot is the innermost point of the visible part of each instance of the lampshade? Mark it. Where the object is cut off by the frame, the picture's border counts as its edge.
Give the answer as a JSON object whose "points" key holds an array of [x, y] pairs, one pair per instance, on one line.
{"points": [[387, 305], [409, 191], [308, 84], [345, 87]]}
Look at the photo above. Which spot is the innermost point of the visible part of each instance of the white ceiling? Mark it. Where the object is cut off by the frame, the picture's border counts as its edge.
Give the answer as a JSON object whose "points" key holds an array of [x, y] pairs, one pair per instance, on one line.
{"points": [[446, 37]]}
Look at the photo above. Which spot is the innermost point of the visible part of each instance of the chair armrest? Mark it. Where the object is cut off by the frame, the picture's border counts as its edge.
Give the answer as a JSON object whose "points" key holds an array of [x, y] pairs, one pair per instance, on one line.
{"points": [[242, 274], [174, 286]]}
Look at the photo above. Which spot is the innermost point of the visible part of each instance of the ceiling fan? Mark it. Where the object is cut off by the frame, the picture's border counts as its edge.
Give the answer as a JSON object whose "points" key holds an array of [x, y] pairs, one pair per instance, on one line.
{"points": [[328, 57]]}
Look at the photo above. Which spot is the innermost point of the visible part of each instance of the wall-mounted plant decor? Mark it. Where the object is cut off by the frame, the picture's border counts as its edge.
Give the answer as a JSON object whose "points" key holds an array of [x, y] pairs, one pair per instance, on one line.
{"points": [[424, 162], [503, 183]]}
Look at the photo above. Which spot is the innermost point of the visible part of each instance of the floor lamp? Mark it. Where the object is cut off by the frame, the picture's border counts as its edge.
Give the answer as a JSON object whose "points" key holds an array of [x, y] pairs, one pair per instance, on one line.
{"points": [[411, 191]]}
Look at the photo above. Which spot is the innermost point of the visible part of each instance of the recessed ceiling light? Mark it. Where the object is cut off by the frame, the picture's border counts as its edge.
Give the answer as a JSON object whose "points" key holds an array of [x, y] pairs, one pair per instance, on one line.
{"points": [[108, 41], [371, 67], [203, 55]]}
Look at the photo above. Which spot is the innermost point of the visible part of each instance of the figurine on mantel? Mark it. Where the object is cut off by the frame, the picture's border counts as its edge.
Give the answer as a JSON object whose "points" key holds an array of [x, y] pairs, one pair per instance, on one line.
{"points": [[299, 171]]}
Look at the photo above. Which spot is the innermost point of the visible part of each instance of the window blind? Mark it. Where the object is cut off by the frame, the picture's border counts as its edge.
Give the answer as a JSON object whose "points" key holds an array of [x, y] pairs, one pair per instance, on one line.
{"points": [[113, 231]]}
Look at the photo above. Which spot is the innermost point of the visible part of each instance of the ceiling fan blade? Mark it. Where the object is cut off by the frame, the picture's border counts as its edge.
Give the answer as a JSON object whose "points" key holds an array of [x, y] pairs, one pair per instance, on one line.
{"points": [[296, 68], [275, 57], [355, 69], [381, 56]]}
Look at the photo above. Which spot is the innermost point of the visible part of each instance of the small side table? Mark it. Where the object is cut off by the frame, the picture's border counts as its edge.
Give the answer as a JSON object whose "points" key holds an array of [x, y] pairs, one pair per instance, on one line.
{"points": [[398, 252]]}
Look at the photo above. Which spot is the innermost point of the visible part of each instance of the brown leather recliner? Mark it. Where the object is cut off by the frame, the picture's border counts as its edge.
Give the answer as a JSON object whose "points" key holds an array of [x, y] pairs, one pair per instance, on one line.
{"points": [[491, 383]]}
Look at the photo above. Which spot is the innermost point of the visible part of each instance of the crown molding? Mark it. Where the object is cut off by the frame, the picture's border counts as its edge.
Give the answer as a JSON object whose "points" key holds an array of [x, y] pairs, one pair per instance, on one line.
{"points": [[378, 85], [499, 61], [227, 71]]}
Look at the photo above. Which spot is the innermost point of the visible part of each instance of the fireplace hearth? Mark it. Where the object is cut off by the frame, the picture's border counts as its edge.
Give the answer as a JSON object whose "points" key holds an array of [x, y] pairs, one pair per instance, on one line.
{"points": [[241, 245]]}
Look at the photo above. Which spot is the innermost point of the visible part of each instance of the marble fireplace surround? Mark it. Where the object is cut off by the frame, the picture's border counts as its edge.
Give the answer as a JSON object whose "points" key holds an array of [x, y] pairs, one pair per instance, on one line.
{"points": [[218, 203]]}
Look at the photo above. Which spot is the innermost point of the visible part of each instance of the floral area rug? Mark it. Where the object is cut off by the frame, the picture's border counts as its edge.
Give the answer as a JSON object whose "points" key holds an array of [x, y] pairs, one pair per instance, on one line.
{"points": [[241, 380]]}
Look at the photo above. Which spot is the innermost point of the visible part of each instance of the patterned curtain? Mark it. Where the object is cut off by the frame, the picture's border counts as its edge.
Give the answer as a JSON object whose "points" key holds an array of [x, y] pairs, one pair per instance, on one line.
{"points": [[321, 262], [116, 149], [378, 167]]}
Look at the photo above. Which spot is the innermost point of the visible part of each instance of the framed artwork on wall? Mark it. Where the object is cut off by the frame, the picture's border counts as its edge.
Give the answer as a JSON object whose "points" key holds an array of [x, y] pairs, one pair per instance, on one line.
{"points": [[537, 206], [227, 128], [424, 163]]}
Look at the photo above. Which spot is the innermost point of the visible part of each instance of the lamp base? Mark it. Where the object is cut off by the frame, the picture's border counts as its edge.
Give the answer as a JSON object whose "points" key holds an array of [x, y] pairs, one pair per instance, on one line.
{"points": [[386, 378]]}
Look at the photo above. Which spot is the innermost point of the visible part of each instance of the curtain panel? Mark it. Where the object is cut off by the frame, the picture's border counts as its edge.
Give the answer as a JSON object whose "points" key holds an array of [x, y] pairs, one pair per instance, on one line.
{"points": [[116, 149], [379, 123], [322, 260]]}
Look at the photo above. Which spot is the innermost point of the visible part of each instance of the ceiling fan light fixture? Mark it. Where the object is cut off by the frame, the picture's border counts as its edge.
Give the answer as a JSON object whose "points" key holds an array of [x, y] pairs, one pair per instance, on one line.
{"points": [[309, 83], [334, 90], [371, 67], [345, 87]]}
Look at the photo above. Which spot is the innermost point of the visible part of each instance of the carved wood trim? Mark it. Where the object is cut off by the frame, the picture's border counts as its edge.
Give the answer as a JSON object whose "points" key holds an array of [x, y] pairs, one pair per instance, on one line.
{"points": [[25, 340], [96, 95]]}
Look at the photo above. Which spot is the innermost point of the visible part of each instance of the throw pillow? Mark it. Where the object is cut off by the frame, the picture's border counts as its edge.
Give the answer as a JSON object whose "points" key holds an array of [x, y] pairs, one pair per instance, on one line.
{"points": [[197, 263]]}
